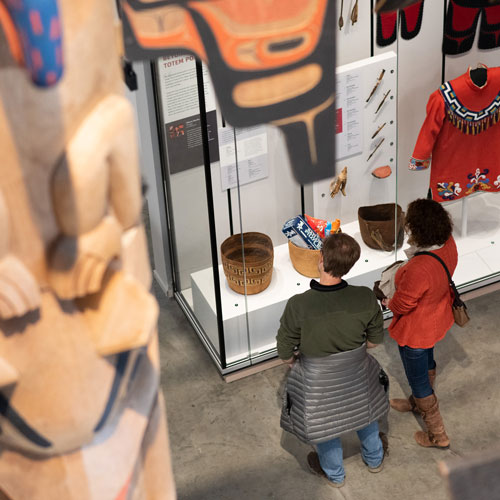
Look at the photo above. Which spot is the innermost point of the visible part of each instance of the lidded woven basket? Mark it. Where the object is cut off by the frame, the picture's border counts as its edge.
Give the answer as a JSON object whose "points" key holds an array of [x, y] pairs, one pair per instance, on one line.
{"points": [[259, 256]]}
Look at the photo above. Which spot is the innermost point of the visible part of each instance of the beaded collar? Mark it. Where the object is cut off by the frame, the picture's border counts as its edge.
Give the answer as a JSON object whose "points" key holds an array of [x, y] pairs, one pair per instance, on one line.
{"points": [[465, 120]]}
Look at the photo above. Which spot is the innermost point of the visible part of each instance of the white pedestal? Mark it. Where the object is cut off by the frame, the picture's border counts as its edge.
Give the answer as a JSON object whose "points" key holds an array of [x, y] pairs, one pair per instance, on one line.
{"points": [[479, 249], [265, 309], [479, 256]]}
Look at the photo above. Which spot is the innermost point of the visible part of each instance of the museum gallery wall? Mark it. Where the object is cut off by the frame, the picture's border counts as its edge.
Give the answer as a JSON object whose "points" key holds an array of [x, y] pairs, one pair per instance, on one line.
{"points": [[388, 65]]}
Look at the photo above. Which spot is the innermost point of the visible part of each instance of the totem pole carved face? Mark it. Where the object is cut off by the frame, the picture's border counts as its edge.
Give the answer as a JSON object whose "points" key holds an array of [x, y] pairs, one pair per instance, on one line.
{"points": [[75, 312], [79, 365]]}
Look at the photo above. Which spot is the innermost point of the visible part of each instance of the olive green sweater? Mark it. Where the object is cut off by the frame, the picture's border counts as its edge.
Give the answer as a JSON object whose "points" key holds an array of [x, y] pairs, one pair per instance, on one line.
{"points": [[329, 319]]}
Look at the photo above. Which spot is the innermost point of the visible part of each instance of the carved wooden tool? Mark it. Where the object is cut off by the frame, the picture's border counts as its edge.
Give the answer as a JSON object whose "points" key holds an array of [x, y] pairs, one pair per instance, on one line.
{"points": [[354, 13], [339, 183], [377, 83], [376, 147], [382, 101], [378, 130], [341, 19]]}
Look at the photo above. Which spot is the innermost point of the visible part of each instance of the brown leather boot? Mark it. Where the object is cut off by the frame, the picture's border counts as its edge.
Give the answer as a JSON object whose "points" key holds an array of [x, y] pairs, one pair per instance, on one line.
{"points": [[435, 435], [432, 377], [403, 405]]}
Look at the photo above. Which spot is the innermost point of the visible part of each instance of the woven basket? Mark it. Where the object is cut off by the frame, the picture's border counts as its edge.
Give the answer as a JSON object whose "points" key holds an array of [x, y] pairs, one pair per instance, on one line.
{"points": [[378, 226], [259, 255], [304, 260]]}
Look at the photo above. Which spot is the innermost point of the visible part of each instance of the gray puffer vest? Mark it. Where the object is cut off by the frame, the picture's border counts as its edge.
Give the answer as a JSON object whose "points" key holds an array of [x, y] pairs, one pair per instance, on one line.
{"points": [[329, 396]]}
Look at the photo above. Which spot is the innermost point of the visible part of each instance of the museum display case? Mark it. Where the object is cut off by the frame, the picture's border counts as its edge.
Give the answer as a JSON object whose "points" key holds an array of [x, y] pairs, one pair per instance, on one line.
{"points": [[232, 198]]}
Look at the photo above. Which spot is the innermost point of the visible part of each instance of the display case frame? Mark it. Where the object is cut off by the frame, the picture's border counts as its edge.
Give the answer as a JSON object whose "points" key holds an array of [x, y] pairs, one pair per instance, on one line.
{"points": [[406, 188], [206, 280]]}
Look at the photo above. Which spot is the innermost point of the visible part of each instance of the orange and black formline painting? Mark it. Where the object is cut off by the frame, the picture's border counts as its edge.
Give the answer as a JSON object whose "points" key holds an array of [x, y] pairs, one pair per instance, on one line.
{"points": [[271, 61]]}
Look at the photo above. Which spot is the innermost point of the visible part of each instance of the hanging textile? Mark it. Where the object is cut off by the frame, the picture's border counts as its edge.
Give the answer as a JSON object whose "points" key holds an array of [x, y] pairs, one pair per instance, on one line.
{"points": [[271, 61], [462, 18], [411, 21], [460, 138], [390, 5]]}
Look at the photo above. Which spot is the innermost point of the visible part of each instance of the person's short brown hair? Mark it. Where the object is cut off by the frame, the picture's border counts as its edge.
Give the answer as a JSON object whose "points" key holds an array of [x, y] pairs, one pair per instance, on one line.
{"points": [[340, 252], [428, 223]]}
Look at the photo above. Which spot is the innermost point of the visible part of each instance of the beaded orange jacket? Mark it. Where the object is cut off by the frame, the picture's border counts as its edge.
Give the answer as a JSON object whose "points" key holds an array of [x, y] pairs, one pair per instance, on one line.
{"points": [[460, 138]]}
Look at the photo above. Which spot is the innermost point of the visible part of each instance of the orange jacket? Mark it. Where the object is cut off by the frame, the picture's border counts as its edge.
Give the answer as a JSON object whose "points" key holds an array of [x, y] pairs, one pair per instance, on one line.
{"points": [[423, 298], [463, 153]]}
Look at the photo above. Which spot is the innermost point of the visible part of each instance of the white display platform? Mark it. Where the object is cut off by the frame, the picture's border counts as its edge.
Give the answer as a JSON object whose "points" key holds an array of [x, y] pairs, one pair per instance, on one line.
{"points": [[265, 308], [479, 251], [188, 296], [479, 256]]}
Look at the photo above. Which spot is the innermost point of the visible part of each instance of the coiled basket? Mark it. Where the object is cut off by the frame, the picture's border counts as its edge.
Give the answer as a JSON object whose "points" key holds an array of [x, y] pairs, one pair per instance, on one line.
{"points": [[304, 260]]}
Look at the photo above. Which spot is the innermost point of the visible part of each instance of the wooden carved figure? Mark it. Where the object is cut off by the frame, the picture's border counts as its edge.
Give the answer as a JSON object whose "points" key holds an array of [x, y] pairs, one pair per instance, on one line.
{"points": [[339, 183], [81, 416]]}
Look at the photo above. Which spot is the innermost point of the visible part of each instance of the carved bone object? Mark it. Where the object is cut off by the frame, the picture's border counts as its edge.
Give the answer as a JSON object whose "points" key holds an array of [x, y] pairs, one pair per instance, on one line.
{"points": [[339, 183]]}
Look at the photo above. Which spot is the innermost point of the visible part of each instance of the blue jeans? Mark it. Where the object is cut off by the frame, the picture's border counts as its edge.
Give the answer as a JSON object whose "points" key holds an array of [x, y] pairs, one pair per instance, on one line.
{"points": [[417, 363], [330, 452]]}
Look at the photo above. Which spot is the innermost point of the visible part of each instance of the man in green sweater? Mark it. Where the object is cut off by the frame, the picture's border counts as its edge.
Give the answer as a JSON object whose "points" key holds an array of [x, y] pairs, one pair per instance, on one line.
{"points": [[330, 318]]}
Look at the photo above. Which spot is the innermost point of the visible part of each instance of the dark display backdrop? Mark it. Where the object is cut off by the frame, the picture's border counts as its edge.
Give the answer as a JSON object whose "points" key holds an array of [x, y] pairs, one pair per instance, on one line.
{"points": [[184, 142]]}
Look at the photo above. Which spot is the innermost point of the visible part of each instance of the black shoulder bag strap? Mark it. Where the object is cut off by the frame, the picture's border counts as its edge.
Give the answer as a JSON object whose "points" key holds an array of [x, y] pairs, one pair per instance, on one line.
{"points": [[456, 300]]}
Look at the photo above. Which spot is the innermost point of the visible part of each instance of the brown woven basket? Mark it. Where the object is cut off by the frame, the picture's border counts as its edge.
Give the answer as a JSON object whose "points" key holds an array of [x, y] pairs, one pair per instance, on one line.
{"points": [[259, 255], [304, 260], [379, 225]]}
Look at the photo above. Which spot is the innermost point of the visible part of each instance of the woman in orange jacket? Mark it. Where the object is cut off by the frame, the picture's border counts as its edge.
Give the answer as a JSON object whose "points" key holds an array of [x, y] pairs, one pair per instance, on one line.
{"points": [[423, 313]]}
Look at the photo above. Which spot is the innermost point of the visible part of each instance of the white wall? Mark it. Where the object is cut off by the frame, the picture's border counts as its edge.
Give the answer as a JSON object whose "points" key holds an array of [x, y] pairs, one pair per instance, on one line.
{"points": [[419, 72], [353, 41], [269, 203], [362, 187]]}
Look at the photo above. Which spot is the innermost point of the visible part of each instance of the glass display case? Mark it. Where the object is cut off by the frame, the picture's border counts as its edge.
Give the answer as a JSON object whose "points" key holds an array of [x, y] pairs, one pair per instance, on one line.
{"points": [[230, 191]]}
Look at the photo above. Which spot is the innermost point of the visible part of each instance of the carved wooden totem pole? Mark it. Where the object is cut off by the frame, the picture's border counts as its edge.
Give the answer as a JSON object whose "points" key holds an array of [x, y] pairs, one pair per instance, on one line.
{"points": [[81, 417]]}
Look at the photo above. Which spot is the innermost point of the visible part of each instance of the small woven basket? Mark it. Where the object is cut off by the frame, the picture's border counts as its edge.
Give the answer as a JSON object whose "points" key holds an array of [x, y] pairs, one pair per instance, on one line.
{"points": [[259, 256], [379, 225], [304, 260]]}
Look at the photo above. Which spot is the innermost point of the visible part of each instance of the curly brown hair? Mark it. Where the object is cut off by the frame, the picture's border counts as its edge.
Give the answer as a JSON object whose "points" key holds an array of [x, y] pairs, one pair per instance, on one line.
{"points": [[428, 223]]}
